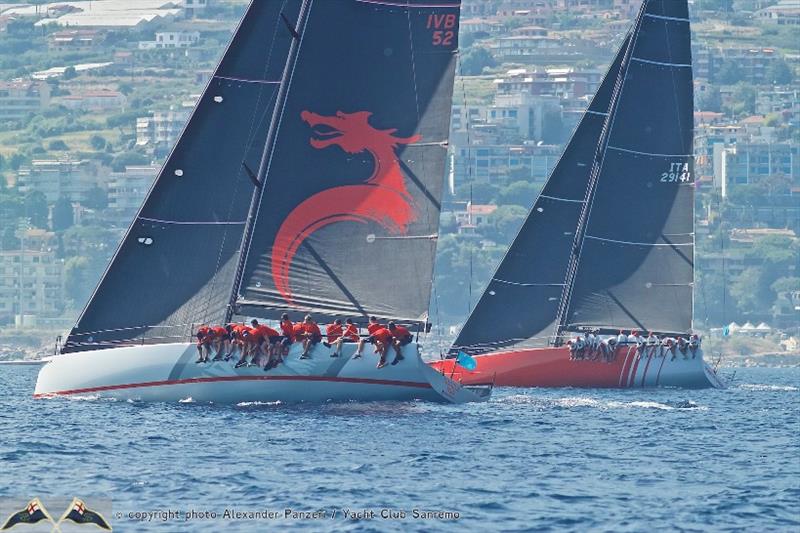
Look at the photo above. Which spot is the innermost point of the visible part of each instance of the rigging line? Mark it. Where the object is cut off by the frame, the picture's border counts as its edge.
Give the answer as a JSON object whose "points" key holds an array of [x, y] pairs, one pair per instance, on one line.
{"points": [[634, 243], [598, 113], [193, 223], [332, 275], [661, 63], [420, 185], [556, 198], [517, 284], [662, 17], [268, 153], [636, 152], [406, 4], [245, 80]]}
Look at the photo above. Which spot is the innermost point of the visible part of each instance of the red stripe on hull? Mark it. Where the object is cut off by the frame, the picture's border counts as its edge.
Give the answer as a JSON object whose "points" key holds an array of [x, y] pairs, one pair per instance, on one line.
{"points": [[539, 367], [364, 381]]}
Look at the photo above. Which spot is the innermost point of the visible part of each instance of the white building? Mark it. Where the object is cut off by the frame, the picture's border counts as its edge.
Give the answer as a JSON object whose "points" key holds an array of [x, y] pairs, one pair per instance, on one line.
{"points": [[126, 191], [161, 129], [18, 98], [57, 178], [31, 283], [171, 39], [95, 101]]}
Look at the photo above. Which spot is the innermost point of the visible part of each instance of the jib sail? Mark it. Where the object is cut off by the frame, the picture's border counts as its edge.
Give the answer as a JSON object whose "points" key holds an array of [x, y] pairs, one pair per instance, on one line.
{"points": [[348, 218], [175, 266]]}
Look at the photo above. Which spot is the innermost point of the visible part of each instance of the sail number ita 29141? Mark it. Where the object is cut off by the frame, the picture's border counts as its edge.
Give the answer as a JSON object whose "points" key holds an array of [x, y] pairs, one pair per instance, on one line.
{"points": [[678, 171], [443, 29]]}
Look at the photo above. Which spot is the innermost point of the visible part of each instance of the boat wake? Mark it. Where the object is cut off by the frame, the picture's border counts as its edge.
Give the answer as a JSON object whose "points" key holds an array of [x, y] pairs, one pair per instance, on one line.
{"points": [[572, 402], [769, 388]]}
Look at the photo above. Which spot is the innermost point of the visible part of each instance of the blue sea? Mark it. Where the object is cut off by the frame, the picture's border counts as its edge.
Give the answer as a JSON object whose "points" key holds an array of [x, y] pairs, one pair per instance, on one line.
{"points": [[529, 460]]}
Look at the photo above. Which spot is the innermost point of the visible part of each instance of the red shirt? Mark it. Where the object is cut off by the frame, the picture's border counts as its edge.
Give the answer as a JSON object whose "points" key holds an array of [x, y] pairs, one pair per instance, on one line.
{"points": [[351, 333], [383, 335], [204, 335], [334, 331], [297, 331], [265, 332], [238, 330], [311, 329], [400, 332], [219, 332], [372, 328], [287, 328]]}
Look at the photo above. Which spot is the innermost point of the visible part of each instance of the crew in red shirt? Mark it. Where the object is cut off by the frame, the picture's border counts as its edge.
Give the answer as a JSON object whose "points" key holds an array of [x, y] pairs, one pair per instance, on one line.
{"points": [[400, 337], [221, 342], [350, 334], [312, 336], [334, 331], [372, 327], [382, 338], [287, 330], [204, 339]]}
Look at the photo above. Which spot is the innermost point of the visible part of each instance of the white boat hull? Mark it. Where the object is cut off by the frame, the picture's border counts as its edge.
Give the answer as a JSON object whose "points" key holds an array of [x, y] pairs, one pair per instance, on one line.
{"points": [[168, 373]]}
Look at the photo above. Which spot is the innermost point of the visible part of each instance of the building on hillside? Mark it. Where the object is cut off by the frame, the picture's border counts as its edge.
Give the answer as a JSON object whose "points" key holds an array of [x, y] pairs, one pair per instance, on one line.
{"points": [[782, 100], [753, 63], [161, 130], [171, 39], [75, 40], [19, 98], [59, 178], [747, 163], [474, 214], [195, 8], [526, 117], [504, 163], [126, 192], [31, 280], [784, 13], [95, 101]]}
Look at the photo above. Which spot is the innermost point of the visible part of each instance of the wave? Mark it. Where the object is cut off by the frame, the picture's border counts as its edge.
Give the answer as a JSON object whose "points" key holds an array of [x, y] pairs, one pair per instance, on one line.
{"points": [[764, 387], [572, 402]]}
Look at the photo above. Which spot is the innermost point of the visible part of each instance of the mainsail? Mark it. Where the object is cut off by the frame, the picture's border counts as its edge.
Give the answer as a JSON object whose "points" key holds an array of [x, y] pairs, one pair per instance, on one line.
{"points": [[348, 218], [174, 267], [308, 178], [616, 214]]}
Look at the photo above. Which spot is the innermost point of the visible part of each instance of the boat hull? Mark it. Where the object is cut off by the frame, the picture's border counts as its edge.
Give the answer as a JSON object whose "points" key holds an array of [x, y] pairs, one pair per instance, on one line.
{"points": [[553, 367], [168, 373]]}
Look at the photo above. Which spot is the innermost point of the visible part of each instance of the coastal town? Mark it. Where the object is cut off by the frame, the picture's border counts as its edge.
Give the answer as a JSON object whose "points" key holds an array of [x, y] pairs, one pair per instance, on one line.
{"points": [[93, 94]]}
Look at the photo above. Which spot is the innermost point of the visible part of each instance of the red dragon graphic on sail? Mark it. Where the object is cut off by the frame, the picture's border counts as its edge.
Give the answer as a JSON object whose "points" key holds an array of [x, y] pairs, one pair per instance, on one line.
{"points": [[382, 198]]}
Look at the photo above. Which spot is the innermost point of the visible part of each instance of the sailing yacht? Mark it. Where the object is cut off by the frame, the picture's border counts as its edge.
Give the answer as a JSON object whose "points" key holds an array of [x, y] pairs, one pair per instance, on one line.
{"points": [[307, 180], [609, 242]]}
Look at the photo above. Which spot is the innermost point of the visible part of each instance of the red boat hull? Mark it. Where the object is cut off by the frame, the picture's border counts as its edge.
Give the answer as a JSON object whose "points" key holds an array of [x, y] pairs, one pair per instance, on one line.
{"points": [[552, 367]]}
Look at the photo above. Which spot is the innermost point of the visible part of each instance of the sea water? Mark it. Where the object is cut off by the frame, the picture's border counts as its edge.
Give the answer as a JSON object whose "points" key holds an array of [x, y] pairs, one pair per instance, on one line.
{"points": [[528, 460]]}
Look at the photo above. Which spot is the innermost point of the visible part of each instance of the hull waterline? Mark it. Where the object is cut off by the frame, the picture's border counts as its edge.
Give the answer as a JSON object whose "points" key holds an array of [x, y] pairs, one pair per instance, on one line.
{"points": [[552, 367], [168, 373]]}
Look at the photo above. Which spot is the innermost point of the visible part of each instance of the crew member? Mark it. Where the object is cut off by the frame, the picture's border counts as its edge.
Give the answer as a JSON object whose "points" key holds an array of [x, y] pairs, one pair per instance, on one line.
{"points": [[683, 346], [204, 338], [382, 338], [350, 334], [221, 342], [622, 338], [312, 336], [400, 337], [266, 340], [372, 327], [287, 328], [694, 344]]}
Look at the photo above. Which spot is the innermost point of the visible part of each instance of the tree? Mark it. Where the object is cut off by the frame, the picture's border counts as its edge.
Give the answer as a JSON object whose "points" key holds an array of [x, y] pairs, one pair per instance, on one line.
{"points": [[521, 193], [98, 142], [58, 144], [36, 209], [17, 160], [730, 73], [475, 60], [744, 96], [504, 223], [96, 198], [8, 239], [76, 280], [780, 73], [128, 159], [709, 100], [69, 73], [744, 290], [63, 216]]}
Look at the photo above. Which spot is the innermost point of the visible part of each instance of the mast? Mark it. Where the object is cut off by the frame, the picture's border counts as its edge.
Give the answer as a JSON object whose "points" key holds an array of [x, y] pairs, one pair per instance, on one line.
{"points": [[266, 157], [597, 165]]}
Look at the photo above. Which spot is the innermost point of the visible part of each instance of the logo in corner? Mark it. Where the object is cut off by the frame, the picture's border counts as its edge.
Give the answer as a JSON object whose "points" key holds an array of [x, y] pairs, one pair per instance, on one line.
{"points": [[382, 199], [33, 513]]}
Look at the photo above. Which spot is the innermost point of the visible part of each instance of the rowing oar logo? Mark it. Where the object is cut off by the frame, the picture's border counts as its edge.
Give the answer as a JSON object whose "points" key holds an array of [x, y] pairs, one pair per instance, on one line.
{"points": [[383, 198]]}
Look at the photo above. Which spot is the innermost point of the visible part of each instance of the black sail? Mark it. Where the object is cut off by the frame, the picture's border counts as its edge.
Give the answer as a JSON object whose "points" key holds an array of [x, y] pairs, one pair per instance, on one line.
{"points": [[348, 217], [635, 268], [175, 266], [520, 302]]}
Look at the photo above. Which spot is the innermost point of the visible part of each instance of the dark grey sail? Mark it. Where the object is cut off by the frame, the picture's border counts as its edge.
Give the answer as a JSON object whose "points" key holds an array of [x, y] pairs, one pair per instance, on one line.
{"points": [[520, 302], [636, 259], [348, 218], [609, 245], [174, 268]]}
